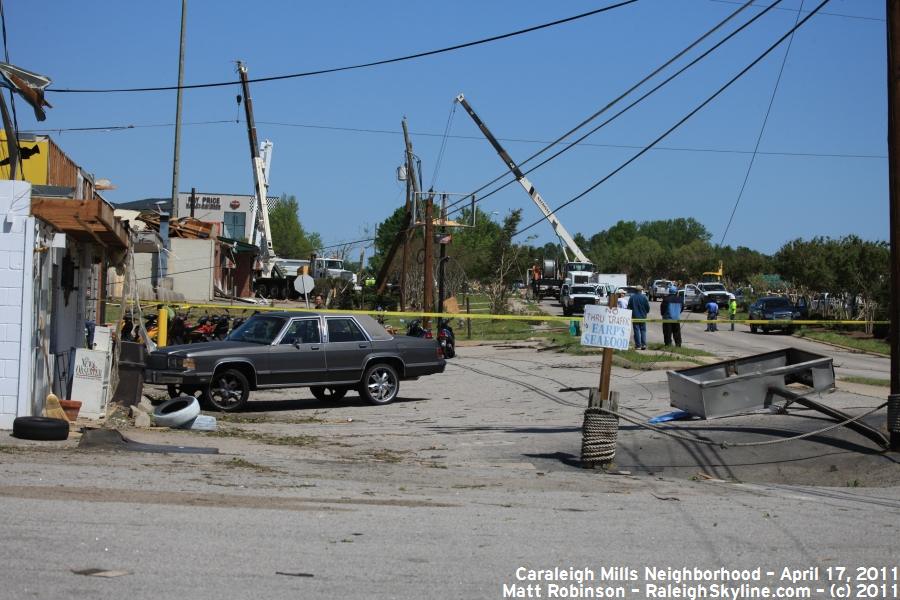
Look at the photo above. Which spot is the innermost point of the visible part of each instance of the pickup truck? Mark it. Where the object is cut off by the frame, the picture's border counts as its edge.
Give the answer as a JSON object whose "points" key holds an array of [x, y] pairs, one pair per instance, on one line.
{"points": [[658, 289], [574, 297], [697, 296]]}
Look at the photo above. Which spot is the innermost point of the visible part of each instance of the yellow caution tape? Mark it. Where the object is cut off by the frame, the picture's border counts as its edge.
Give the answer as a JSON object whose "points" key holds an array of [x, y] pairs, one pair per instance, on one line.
{"points": [[476, 316]]}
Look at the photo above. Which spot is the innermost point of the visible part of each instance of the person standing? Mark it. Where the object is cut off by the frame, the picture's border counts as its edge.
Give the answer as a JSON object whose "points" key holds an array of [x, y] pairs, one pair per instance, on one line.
{"points": [[640, 308], [670, 309], [622, 299], [732, 311], [712, 313]]}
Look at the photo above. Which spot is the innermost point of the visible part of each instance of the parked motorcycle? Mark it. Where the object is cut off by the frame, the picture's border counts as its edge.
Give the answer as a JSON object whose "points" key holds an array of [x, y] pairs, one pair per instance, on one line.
{"points": [[446, 338], [415, 329]]}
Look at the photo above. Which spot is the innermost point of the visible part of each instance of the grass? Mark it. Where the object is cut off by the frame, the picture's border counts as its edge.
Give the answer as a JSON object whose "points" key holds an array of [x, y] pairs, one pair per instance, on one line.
{"points": [[680, 350], [245, 418], [849, 341], [240, 463], [867, 381], [265, 438]]}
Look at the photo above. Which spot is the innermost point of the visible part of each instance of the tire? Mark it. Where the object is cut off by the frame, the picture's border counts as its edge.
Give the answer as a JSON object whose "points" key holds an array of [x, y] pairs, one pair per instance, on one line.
{"points": [[567, 311], [379, 384], [228, 390], [40, 428], [449, 350], [262, 290], [182, 390], [328, 393], [176, 412], [753, 328]]}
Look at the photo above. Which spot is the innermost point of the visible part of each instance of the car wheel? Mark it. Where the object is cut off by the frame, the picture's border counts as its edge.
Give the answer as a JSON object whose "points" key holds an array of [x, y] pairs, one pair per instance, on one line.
{"points": [[228, 391], [789, 330], [449, 350], [753, 329], [326, 393], [40, 428], [380, 384]]}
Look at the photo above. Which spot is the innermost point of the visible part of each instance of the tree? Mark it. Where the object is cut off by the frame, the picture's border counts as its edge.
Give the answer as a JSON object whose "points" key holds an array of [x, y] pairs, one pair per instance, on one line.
{"points": [[288, 237], [505, 256], [384, 239]]}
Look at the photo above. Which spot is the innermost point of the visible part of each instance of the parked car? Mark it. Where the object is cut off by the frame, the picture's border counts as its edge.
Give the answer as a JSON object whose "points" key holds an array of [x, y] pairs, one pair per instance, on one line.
{"points": [[692, 297], [773, 308], [575, 297], [330, 354]]}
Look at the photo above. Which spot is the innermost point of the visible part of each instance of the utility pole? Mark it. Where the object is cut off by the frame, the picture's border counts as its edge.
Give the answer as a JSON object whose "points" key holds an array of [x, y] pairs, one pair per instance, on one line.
{"points": [[893, 89], [412, 187], [175, 160], [428, 263], [443, 254]]}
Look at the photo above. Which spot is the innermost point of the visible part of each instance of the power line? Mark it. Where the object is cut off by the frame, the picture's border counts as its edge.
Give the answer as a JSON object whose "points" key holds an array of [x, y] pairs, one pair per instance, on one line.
{"points": [[117, 128], [683, 119], [440, 157], [641, 98], [610, 104], [357, 66], [762, 129], [830, 14]]}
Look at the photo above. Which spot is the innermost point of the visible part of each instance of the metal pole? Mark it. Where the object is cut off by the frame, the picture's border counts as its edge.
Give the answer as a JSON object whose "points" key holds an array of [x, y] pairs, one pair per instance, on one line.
{"points": [[175, 159], [893, 89], [193, 201]]}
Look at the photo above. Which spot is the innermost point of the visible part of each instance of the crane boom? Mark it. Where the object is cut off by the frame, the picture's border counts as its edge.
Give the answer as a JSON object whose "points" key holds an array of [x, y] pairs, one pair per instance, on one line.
{"points": [[261, 221], [560, 231]]}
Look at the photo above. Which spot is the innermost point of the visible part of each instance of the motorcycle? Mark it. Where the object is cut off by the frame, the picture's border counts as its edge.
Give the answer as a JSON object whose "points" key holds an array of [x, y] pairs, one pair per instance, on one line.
{"points": [[446, 338], [415, 329]]}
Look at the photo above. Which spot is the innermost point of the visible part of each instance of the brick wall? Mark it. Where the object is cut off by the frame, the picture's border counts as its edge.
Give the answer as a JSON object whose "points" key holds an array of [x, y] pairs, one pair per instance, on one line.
{"points": [[17, 229]]}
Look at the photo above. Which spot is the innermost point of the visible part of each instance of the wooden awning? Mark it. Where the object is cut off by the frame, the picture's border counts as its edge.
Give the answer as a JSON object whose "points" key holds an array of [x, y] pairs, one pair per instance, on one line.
{"points": [[84, 220]]}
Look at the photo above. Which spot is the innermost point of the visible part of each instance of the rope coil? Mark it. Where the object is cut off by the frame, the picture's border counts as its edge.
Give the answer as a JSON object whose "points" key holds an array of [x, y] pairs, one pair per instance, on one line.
{"points": [[598, 438]]}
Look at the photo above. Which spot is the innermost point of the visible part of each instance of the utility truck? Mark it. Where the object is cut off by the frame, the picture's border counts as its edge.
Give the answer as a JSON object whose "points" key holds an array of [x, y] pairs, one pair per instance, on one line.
{"points": [[577, 269]]}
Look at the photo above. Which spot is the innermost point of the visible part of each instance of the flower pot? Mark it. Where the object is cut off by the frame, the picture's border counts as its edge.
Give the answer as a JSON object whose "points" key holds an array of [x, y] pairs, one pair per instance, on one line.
{"points": [[71, 407]]}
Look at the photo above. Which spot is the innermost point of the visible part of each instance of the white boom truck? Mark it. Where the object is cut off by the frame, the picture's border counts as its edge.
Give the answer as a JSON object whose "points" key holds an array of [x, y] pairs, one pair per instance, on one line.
{"points": [[578, 271]]}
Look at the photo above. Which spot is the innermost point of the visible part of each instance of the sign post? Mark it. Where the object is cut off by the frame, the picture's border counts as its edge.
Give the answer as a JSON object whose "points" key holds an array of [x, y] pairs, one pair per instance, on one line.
{"points": [[304, 284], [607, 327]]}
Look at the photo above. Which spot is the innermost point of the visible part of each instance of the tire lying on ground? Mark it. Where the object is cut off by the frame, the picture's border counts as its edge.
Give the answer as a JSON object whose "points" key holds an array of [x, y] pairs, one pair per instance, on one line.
{"points": [[40, 428], [176, 412]]}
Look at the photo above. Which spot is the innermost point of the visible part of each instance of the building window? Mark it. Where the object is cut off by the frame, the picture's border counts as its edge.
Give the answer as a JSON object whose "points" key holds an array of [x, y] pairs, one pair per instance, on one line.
{"points": [[234, 224]]}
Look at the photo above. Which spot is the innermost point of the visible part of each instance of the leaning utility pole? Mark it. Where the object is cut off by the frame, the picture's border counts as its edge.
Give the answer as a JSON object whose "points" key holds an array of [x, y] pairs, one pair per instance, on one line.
{"points": [[428, 263], [893, 89], [175, 160], [412, 188]]}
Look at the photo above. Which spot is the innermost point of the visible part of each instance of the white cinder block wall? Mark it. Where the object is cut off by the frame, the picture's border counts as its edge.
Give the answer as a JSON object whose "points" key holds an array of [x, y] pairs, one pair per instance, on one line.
{"points": [[17, 229]]}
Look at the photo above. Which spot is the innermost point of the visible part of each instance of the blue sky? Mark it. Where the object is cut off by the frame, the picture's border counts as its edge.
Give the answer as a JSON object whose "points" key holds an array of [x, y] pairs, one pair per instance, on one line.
{"points": [[831, 101]]}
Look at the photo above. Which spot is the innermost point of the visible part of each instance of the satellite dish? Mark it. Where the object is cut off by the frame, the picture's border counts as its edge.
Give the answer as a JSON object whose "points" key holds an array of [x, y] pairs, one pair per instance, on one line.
{"points": [[304, 284]]}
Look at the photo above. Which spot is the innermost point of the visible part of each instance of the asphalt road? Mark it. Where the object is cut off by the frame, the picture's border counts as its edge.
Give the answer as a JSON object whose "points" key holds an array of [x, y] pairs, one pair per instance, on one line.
{"points": [[442, 494]]}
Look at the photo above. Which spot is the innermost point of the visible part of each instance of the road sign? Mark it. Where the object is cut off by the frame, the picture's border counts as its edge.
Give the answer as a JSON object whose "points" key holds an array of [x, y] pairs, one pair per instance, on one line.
{"points": [[304, 284], [606, 327]]}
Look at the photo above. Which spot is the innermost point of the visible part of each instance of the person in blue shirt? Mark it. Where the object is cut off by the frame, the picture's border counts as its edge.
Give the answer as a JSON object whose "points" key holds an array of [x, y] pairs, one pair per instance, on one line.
{"points": [[712, 313], [670, 310], [640, 308]]}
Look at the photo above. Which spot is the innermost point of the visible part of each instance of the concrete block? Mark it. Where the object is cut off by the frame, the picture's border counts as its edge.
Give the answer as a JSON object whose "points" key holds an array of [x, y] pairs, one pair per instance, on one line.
{"points": [[10, 315], [142, 419], [16, 261], [13, 333], [9, 404], [13, 296], [9, 350], [9, 386], [4, 259]]}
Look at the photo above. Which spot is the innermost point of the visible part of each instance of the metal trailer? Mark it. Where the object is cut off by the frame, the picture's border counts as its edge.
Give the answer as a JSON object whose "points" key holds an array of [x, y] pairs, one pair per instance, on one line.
{"points": [[748, 384]]}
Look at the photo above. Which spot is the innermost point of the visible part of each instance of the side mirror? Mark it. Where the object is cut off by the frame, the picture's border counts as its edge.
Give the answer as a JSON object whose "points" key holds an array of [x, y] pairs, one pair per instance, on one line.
{"points": [[297, 344]]}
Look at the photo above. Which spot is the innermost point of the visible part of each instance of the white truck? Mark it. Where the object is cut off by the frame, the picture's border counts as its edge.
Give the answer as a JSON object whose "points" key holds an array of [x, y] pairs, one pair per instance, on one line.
{"points": [[282, 288], [576, 272]]}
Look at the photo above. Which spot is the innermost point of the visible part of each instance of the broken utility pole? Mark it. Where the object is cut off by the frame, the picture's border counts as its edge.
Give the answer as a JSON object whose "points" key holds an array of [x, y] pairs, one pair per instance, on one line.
{"points": [[428, 263]]}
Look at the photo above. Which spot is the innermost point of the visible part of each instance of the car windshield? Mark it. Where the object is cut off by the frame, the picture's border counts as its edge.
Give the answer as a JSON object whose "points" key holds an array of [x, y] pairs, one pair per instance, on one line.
{"points": [[777, 303], [334, 264], [713, 287], [258, 329], [583, 289]]}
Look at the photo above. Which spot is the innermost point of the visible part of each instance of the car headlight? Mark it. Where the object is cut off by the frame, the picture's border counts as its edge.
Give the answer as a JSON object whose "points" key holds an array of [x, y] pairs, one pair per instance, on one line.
{"points": [[769, 315], [796, 315], [189, 363]]}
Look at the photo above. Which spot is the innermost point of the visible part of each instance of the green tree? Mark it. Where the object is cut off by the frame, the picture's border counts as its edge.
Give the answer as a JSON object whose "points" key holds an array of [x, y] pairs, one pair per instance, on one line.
{"points": [[288, 237], [384, 239]]}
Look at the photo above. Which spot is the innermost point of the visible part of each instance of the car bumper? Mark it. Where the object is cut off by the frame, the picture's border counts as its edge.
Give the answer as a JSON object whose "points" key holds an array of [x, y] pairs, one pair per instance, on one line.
{"points": [[416, 371], [175, 377]]}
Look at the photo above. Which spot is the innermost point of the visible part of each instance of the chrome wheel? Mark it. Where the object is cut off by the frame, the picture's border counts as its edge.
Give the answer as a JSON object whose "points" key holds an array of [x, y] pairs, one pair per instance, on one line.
{"points": [[380, 384], [228, 390]]}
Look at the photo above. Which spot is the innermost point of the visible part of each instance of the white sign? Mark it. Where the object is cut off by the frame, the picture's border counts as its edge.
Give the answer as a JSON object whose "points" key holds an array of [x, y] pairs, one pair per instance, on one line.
{"points": [[102, 338], [89, 381], [606, 327], [304, 284]]}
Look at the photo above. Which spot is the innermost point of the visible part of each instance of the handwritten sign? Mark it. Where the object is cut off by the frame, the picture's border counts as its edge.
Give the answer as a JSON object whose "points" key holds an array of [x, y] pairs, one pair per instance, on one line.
{"points": [[606, 327]]}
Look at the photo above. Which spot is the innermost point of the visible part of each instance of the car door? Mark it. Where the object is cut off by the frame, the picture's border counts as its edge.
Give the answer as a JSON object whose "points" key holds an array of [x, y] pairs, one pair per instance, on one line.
{"points": [[346, 349], [299, 356]]}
